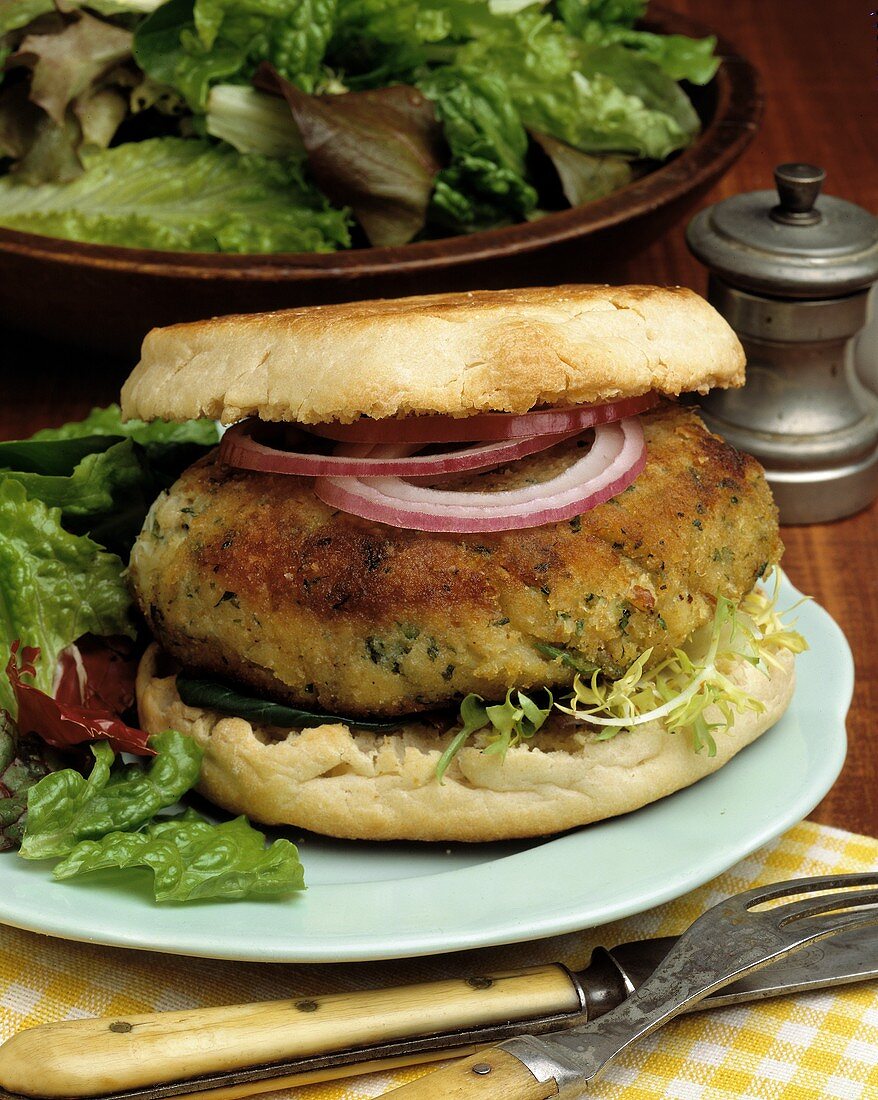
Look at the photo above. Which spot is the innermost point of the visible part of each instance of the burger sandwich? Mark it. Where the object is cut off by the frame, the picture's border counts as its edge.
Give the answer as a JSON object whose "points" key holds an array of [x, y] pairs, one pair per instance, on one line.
{"points": [[461, 567]]}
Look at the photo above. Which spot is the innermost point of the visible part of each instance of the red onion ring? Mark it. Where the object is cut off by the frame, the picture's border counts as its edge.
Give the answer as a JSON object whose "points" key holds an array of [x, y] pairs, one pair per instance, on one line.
{"points": [[485, 426], [614, 460], [239, 448]]}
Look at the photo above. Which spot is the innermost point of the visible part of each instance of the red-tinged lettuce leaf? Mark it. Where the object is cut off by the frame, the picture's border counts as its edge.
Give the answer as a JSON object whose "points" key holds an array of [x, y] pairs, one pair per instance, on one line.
{"points": [[98, 673], [66, 65], [62, 724], [375, 151], [24, 761], [584, 176]]}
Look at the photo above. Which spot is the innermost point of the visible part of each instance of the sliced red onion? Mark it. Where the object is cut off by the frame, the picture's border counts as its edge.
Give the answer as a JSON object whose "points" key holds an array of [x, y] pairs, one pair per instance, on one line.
{"points": [[614, 460], [241, 449], [485, 426]]}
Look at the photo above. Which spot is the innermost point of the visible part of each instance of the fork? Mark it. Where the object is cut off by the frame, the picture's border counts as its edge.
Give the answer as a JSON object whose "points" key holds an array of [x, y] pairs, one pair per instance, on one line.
{"points": [[729, 941]]}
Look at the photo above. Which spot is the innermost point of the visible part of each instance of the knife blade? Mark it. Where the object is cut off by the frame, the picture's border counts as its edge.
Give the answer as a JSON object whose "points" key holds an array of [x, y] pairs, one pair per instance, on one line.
{"points": [[134, 1058]]}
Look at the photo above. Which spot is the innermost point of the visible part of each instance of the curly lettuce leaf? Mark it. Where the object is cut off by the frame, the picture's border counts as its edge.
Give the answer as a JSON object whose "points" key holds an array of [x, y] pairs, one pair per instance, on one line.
{"points": [[375, 151], [192, 859], [174, 193], [485, 183], [66, 808], [190, 45], [54, 586], [67, 64]]}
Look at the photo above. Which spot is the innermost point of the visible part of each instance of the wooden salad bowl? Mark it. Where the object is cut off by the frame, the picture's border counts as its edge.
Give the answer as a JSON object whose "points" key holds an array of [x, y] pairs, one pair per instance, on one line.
{"points": [[106, 297]]}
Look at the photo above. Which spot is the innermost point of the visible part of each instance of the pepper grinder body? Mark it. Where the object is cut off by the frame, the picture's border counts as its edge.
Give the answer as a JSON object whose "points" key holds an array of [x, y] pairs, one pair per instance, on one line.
{"points": [[793, 279], [803, 411]]}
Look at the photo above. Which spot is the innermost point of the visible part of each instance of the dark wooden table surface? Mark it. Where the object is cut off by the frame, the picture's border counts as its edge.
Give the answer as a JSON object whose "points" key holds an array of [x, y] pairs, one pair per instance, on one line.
{"points": [[819, 63]]}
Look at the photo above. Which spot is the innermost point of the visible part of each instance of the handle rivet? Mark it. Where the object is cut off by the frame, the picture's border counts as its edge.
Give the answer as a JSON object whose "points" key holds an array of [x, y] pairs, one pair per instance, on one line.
{"points": [[480, 983], [307, 1006], [121, 1027], [481, 1068]]}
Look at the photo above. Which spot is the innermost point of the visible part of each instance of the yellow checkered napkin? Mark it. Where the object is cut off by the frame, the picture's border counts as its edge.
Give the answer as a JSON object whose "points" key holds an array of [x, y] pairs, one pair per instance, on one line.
{"points": [[796, 1048]]}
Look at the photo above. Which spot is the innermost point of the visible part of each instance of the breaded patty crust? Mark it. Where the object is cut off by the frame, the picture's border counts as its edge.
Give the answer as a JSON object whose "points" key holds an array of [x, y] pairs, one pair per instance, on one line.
{"points": [[250, 577]]}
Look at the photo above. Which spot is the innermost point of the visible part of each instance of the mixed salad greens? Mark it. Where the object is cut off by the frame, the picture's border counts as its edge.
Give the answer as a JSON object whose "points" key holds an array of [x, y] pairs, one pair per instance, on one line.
{"points": [[314, 125], [72, 500]]}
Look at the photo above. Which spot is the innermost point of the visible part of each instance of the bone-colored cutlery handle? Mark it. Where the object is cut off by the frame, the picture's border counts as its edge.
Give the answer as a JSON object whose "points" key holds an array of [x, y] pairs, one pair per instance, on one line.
{"points": [[89, 1058], [491, 1074]]}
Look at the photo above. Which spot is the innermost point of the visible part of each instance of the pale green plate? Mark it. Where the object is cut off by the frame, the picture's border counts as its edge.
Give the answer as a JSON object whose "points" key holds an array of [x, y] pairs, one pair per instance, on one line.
{"points": [[377, 901]]}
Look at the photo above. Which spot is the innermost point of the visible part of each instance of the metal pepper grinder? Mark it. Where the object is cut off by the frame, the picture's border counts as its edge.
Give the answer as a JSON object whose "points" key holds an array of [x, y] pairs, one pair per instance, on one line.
{"points": [[792, 278]]}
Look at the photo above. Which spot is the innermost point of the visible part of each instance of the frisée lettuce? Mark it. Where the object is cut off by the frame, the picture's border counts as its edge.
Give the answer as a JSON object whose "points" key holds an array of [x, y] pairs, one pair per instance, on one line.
{"points": [[689, 693]]}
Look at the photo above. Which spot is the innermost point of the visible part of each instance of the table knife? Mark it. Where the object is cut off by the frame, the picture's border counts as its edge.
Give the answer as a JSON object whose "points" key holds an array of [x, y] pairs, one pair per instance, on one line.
{"points": [[240, 1050]]}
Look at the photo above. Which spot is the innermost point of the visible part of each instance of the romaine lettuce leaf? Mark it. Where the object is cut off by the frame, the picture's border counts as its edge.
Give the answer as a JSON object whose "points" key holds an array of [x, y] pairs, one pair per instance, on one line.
{"points": [[174, 193], [192, 44], [192, 859], [66, 808], [54, 586]]}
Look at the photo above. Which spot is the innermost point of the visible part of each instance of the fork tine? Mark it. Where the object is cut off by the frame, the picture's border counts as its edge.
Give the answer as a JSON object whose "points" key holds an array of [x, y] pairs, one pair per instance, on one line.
{"points": [[830, 923], [825, 903], [760, 894]]}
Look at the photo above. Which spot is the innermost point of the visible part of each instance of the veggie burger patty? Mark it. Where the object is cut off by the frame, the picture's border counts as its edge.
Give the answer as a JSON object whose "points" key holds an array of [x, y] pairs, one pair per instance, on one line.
{"points": [[250, 577]]}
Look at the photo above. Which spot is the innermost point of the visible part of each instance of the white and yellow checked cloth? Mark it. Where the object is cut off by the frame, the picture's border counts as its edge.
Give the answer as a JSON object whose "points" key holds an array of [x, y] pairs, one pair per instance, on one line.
{"points": [[797, 1048]]}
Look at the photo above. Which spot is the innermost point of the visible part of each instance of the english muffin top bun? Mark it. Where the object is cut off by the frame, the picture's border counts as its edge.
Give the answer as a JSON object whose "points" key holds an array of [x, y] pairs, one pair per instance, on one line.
{"points": [[452, 354], [561, 624]]}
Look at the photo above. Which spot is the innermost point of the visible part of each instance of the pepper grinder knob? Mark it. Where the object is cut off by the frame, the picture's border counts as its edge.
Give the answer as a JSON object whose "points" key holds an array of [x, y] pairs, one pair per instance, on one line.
{"points": [[798, 186]]}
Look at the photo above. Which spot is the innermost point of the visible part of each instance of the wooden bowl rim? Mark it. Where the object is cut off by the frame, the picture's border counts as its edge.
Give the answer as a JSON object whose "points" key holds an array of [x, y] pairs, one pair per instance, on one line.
{"points": [[736, 117]]}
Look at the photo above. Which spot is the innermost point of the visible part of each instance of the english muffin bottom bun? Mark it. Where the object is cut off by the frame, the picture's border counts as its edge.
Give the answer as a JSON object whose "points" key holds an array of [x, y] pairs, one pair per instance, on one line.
{"points": [[467, 571]]}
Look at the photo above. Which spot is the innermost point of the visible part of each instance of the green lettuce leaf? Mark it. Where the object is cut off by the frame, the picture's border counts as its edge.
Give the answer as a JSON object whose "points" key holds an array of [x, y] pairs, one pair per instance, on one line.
{"points": [[192, 859], [15, 14], [24, 761], [597, 98], [584, 176], [54, 586], [679, 57], [579, 14], [190, 45], [173, 193], [106, 495], [485, 183], [376, 151], [102, 473], [253, 122], [66, 808]]}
